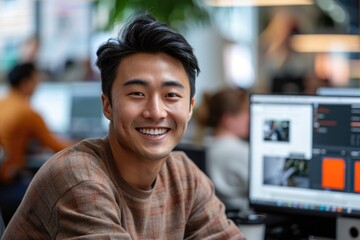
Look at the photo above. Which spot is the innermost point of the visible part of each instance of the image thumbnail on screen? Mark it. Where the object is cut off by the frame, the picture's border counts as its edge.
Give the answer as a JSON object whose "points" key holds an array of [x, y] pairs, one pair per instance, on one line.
{"points": [[276, 130]]}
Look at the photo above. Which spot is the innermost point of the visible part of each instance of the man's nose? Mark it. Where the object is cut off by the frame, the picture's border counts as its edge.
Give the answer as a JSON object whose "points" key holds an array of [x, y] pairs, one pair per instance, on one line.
{"points": [[155, 109]]}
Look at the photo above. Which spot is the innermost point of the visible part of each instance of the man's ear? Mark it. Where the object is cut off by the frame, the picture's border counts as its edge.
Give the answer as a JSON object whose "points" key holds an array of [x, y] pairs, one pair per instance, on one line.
{"points": [[192, 104], [107, 110]]}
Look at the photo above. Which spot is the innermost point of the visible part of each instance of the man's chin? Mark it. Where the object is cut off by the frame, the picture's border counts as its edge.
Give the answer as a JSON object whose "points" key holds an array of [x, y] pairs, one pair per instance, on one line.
{"points": [[156, 152], [158, 157]]}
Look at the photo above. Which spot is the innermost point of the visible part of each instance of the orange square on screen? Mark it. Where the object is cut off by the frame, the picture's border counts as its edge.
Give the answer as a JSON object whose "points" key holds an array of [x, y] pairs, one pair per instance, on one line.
{"points": [[333, 173], [357, 177]]}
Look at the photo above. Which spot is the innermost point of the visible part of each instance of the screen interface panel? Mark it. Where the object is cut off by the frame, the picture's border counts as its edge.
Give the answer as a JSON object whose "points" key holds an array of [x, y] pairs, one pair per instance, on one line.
{"points": [[305, 152]]}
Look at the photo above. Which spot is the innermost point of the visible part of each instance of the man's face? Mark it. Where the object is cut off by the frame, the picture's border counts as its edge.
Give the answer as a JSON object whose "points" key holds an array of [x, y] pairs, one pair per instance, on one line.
{"points": [[151, 105]]}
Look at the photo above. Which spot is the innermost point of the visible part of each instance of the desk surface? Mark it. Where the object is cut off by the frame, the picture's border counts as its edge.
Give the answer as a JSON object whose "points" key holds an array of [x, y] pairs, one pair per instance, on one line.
{"points": [[293, 227]]}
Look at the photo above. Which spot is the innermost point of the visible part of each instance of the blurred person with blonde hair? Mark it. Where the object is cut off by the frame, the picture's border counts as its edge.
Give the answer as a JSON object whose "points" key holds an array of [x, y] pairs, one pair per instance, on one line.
{"points": [[226, 114]]}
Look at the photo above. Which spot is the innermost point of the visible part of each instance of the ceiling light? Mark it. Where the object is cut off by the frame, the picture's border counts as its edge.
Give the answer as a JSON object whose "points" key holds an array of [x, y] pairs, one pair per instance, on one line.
{"points": [[326, 43], [247, 3]]}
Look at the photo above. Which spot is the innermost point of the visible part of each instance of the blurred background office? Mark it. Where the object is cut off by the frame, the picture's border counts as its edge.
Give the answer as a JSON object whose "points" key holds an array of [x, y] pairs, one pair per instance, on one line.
{"points": [[283, 46], [265, 46]]}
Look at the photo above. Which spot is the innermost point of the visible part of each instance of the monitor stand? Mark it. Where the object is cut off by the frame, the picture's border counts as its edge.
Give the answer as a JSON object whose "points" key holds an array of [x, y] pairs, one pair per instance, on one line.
{"points": [[347, 228]]}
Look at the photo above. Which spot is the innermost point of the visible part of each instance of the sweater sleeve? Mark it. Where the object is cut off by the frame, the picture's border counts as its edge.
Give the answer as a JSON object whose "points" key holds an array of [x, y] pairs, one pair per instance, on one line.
{"points": [[208, 219], [71, 197], [89, 210]]}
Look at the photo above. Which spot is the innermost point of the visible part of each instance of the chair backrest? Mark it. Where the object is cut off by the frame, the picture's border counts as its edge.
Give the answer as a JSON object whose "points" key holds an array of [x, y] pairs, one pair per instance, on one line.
{"points": [[196, 153]]}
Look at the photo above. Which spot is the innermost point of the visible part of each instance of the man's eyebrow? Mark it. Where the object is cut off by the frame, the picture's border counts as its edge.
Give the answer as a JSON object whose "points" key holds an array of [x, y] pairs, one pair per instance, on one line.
{"points": [[171, 83], [136, 82]]}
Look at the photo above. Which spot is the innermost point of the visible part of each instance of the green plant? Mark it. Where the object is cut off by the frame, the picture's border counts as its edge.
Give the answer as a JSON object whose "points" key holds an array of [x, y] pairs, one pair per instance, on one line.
{"points": [[173, 12]]}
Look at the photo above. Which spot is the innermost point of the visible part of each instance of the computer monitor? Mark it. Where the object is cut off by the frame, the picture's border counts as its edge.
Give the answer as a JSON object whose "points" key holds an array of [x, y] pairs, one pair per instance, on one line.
{"points": [[338, 91], [71, 109], [305, 155], [52, 100], [86, 117]]}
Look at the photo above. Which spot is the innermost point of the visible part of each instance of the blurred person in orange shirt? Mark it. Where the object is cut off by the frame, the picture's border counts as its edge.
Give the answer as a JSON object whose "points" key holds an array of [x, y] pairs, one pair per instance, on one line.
{"points": [[20, 125]]}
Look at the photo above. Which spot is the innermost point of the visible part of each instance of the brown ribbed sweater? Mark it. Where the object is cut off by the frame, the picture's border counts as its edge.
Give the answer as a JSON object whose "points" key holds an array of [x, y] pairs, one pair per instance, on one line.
{"points": [[78, 194]]}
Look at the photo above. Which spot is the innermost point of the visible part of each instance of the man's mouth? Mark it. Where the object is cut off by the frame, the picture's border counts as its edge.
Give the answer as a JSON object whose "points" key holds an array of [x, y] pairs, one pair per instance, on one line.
{"points": [[153, 131]]}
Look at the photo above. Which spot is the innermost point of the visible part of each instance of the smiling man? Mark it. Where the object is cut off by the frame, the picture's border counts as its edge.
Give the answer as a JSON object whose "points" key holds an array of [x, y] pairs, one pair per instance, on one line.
{"points": [[129, 184]]}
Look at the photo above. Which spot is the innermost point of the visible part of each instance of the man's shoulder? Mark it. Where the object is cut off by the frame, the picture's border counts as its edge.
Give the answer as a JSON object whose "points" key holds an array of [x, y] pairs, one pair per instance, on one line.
{"points": [[179, 164], [179, 158], [81, 161]]}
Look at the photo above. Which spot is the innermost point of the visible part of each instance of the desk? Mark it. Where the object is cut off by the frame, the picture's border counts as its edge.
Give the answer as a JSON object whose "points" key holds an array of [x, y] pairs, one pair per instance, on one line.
{"points": [[285, 227], [289, 227]]}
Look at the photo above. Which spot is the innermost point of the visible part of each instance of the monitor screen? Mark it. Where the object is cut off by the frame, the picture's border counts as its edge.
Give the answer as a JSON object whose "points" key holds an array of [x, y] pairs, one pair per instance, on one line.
{"points": [[52, 100], [71, 109], [304, 154], [87, 118]]}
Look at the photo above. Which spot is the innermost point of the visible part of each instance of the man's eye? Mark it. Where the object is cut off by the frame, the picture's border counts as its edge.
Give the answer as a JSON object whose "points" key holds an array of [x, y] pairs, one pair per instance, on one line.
{"points": [[173, 95], [137, 94]]}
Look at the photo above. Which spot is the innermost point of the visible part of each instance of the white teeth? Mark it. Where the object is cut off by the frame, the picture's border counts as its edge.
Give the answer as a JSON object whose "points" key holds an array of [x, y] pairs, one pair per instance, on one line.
{"points": [[155, 132]]}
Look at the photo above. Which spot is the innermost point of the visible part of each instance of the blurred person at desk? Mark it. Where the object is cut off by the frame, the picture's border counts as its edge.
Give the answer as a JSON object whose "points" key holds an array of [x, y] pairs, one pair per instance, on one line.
{"points": [[226, 114], [20, 128], [129, 184]]}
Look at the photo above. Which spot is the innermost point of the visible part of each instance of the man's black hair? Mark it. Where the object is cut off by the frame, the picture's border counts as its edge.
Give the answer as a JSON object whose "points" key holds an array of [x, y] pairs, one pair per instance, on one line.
{"points": [[145, 34]]}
